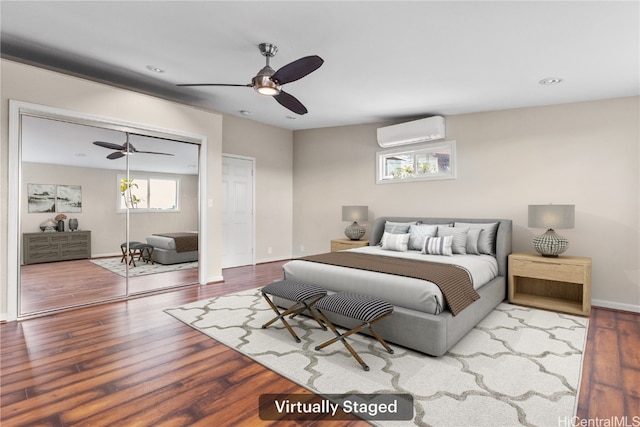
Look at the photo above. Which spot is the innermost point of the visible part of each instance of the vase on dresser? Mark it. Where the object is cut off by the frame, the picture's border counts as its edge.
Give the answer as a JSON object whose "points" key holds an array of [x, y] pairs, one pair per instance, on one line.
{"points": [[61, 225], [73, 224], [49, 226]]}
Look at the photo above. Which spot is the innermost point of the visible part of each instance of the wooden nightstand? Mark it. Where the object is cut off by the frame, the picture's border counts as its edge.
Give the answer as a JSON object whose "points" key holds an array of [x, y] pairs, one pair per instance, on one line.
{"points": [[342, 244], [560, 284]]}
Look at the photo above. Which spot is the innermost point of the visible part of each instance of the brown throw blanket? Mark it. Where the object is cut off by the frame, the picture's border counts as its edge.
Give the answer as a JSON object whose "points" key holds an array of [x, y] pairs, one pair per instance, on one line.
{"points": [[185, 242], [454, 281]]}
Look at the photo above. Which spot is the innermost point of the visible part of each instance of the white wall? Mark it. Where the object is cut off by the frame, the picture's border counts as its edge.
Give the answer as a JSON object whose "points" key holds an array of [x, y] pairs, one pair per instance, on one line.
{"points": [[585, 154], [100, 194], [30, 84]]}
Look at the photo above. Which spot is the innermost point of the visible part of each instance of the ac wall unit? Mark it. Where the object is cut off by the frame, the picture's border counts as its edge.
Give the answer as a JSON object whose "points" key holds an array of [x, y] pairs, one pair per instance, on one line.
{"points": [[413, 132]]}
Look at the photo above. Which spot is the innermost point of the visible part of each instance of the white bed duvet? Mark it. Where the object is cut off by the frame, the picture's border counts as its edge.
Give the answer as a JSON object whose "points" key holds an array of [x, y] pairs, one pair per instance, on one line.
{"points": [[401, 291]]}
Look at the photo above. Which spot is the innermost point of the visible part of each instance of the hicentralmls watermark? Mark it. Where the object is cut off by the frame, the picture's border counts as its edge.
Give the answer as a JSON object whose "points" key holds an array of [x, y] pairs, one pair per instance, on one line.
{"points": [[621, 421], [396, 407]]}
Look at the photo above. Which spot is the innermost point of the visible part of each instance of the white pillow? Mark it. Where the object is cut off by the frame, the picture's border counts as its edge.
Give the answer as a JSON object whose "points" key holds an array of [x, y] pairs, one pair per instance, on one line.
{"points": [[395, 242], [438, 245], [417, 234], [459, 235]]}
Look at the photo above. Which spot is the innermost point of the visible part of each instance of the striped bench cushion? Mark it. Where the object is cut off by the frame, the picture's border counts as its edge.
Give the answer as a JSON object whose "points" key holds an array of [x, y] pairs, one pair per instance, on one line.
{"points": [[294, 291], [361, 307]]}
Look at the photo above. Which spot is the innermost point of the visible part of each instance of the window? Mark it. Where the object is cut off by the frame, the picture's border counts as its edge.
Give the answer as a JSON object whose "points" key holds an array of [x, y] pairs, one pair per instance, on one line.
{"points": [[429, 162], [148, 194]]}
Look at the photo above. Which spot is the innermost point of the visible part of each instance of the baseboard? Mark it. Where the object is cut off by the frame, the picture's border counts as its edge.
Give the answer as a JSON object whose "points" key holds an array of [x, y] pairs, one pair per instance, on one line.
{"points": [[615, 305], [268, 260], [106, 255], [214, 279]]}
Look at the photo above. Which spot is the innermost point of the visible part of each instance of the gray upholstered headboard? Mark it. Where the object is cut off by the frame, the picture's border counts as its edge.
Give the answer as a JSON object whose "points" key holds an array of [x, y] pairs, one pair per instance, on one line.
{"points": [[503, 237]]}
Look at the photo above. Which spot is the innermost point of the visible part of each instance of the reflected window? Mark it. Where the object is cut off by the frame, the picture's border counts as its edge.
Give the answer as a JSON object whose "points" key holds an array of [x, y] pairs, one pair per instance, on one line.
{"points": [[141, 193]]}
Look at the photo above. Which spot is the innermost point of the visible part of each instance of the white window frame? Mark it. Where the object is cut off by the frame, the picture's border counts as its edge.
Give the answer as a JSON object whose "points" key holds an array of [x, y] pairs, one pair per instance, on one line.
{"points": [[383, 156], [146, 177]]}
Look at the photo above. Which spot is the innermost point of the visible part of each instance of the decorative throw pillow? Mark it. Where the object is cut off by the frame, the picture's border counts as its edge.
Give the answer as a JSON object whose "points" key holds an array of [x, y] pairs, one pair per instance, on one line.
{"points": [[397, 227], [487, 239], [417, 234], [395, 242], [459, 236], [472, 241], [438, 245]]}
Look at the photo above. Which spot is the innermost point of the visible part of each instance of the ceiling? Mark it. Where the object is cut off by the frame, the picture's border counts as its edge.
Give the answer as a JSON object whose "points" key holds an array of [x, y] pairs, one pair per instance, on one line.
{"points": [[71, 144], [383, 60]]}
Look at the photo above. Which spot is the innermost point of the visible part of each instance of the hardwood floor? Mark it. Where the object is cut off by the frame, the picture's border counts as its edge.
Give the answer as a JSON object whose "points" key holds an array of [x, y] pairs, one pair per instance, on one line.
{"points": [[54, 285], [611, 370], [129, 363]]}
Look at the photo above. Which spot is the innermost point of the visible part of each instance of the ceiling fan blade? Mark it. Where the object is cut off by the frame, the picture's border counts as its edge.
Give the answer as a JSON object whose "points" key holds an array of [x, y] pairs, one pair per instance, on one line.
{"points": [[297, 69], [290, 102], [109, 145], [154, 152], [213, 84], [115, 155]]}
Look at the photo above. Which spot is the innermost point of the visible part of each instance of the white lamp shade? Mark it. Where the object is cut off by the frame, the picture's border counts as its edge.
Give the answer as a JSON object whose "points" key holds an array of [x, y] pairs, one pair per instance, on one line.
{"points": [[355, 213], [554, 217]]}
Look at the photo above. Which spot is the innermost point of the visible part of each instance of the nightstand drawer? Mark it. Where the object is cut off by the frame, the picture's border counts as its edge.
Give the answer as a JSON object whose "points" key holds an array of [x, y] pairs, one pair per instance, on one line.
{"points": [[343, 244], [572, 273]]}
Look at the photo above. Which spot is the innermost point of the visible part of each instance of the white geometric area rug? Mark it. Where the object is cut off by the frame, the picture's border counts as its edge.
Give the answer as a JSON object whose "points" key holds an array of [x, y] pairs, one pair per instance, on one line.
{"points": [[519, 366], [115, 265]]}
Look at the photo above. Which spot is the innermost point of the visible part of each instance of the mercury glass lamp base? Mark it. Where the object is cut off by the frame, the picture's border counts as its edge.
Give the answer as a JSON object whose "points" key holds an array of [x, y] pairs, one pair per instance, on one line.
{"points": [[550, 244], [355, 231]]}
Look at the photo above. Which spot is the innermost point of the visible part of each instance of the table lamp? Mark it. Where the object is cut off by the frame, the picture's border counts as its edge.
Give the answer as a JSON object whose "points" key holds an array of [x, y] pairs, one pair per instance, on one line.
{"points": [[551, 217], [355, 213]]}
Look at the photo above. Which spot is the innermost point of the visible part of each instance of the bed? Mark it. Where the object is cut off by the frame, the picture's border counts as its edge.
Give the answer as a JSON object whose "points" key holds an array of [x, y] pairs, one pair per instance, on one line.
{"points": [[423, 319], [174, 248]]}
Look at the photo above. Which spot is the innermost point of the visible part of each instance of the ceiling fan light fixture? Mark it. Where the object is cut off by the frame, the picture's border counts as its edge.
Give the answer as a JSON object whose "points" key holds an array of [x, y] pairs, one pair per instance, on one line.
{"points": [[263, 84]]}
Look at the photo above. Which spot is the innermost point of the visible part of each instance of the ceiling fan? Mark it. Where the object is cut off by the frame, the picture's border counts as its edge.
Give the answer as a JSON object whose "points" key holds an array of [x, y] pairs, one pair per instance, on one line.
{"points": [[124, 149], [269, 82]]}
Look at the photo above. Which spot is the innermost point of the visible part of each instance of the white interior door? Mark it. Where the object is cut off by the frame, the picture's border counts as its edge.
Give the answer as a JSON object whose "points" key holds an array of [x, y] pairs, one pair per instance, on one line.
{"points": [[237, 219]]}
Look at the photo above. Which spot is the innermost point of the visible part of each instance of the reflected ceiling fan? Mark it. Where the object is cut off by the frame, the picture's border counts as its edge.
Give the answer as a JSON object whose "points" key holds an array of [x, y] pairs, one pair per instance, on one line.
{"points": [[269, 82], [124, 149]]}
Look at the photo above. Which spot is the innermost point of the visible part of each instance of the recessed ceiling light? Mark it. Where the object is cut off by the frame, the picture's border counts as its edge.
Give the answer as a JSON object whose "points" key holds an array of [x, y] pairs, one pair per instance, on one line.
{"points": [[245, 112], [81, 155], [550, 81], [155, 69], [290, 117]]}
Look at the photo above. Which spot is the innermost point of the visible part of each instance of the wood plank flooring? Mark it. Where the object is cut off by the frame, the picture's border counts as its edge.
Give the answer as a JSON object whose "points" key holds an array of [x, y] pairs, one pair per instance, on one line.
{"points": [[54, 285], [611, 370], [128, 363]]}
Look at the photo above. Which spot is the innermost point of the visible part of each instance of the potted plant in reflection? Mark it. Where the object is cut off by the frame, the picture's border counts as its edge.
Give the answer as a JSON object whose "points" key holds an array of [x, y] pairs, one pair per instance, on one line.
{"points": [[130, 200]]}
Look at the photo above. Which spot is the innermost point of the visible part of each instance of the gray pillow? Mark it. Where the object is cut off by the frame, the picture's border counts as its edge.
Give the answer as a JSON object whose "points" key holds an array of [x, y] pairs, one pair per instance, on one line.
{"points": [[472, 241], [459, 235], [417, 234], [487, 239], [397, 227]]}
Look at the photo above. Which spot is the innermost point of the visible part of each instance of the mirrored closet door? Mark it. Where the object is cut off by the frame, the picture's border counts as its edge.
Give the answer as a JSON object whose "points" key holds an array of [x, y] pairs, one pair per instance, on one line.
{"points": [[95, 203]]}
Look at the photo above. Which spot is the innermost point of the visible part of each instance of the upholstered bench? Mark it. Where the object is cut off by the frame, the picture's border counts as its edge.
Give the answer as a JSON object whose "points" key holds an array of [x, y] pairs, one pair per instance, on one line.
{"points": [[364, 308], [305, 296], [127, 255], [142, 251]]}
